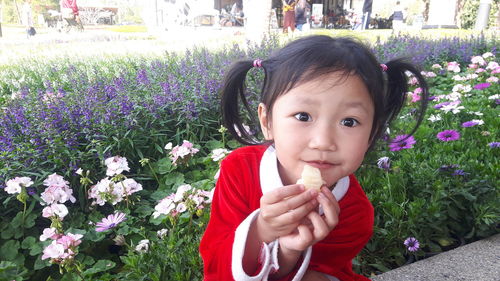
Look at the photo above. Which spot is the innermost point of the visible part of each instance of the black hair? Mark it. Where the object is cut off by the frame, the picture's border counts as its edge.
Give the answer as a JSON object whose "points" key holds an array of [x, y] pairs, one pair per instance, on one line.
{"points": [[310, 57]]}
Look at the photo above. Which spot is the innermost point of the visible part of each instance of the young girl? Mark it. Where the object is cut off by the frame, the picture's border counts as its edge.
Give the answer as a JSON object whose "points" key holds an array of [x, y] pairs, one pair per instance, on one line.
{"points": [[325, 101]]}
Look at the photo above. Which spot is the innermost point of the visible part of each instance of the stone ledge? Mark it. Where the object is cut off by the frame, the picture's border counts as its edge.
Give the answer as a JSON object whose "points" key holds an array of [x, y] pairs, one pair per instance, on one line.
{"points": [[476, 261]]}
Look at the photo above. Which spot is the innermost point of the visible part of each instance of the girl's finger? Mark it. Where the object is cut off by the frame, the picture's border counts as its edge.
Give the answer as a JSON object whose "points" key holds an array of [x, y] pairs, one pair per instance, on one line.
{"points": [[320, 227], [281, 193], [293, 204], [332, 198], [299, 213], [330, 209]]}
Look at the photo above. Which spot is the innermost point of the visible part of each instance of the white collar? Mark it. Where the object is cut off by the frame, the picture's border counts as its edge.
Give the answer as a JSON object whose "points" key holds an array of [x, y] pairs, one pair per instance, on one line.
{"points": [[270, 178]]}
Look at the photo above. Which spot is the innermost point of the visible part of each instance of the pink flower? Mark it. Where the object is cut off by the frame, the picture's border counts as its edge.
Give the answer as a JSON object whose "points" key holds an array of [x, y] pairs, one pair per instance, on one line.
{"points": [[453, 66], [116, 165], [49, 233], [70, 240], [110, 222], [57, 190], [183, 152], [53, 251], [14, 185]]}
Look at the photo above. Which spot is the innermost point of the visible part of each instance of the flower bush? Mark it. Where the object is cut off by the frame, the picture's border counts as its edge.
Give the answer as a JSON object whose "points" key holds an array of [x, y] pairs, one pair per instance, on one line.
{"points": [[108, 167]]}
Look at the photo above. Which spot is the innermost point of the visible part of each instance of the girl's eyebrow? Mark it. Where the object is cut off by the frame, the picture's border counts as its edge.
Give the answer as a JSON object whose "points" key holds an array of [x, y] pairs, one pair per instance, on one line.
{"points": [[356, 104]]}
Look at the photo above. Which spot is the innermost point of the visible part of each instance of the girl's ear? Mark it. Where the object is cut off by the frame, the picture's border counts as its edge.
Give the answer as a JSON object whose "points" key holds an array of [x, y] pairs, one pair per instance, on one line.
{"points": [[265, 124]]}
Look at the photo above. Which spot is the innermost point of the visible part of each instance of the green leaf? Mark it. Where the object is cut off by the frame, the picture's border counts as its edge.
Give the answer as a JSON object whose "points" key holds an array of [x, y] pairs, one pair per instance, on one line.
{"points": [[213, 144], [99, 266], [17, 221], [39, 263], [8, 232], [174, 179], [9, 250], [28, 242], [164, 166], [11, 271]]}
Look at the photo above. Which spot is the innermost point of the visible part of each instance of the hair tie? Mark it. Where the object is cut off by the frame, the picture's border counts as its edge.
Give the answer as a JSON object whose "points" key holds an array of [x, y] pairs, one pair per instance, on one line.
{"points": [[384, 67], [257, 63]]}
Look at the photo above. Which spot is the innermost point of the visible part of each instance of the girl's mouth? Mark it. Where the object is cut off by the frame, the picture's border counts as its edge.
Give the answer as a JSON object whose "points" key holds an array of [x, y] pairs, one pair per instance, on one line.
{"points": [[321, 164]]}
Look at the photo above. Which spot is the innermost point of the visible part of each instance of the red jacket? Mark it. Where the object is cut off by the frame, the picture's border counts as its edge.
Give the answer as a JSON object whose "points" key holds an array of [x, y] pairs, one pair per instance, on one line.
{"points": [[237, 194]]}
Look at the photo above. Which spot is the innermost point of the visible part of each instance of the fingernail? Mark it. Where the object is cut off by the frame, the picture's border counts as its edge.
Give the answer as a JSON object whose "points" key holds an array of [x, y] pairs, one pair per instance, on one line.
{"points": [[322, 195]]}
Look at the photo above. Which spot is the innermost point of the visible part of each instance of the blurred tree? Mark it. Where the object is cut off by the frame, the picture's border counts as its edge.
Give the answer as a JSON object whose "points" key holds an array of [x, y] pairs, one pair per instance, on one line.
{"points": [[469, 10]]}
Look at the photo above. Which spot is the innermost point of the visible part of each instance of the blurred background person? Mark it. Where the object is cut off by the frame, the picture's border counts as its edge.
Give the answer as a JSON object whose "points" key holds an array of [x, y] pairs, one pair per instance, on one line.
{"points": [[302, 14], [27, 18], [289, 15], [70, 13]]}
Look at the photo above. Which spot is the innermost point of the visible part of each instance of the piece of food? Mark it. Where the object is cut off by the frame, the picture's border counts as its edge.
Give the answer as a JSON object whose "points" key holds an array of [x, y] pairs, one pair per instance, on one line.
{"points": [[311, 178]]}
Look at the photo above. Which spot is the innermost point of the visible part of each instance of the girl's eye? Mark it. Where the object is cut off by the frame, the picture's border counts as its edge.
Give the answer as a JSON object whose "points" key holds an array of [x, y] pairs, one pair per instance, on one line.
{"points": [[349, 122], [302, 116]]}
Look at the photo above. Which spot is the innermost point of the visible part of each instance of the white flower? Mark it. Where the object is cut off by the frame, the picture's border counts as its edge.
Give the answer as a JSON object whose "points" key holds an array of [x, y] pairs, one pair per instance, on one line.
{"points": [[487, 55], [116, 165], [181, 207], [434, 118], [478, 59], [13, 186], [492, 79], [58, 210], [143, 246], [181, 190], [164, 207], [478, 113], [79, 171], [131, 186], [494, 97], [162, 233], [492, 65], [478, 121], [436, 66], [168, 146], [219, 153]]}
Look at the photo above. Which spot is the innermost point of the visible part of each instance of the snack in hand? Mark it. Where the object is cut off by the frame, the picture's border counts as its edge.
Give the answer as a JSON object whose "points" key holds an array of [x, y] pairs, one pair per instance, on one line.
{"points": [[311, 178]]}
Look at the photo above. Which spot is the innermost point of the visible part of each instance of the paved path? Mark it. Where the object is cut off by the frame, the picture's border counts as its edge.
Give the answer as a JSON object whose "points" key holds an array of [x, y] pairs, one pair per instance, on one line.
{"points": [[478, 261]]}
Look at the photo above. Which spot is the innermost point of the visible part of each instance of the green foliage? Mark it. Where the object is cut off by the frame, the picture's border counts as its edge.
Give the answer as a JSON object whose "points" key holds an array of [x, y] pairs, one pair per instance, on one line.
{"points": [[420, 195], [469, 14]]}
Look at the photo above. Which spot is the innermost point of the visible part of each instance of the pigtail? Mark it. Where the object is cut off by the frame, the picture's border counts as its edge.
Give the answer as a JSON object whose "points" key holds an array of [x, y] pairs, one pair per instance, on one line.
{"points": [[233, 92], [397, 88]]}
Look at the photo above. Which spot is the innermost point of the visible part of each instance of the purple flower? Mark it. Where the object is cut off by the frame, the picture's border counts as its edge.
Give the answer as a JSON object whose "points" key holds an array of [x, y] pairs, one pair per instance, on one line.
{"points": [[469, 124], [448, 135], [446, 168], [402, 142], [110, 222], [482, 86], [459, 173], [384, 163], [439, 105], [412, 244], [494, 144]]}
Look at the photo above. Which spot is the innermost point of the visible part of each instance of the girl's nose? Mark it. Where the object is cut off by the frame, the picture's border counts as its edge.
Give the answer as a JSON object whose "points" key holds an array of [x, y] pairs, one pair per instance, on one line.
{"points": [[322, 138]]}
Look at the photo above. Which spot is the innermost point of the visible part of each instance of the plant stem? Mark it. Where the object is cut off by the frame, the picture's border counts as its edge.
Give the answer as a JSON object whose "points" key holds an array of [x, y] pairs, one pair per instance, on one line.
{"points": [[153, 172]]}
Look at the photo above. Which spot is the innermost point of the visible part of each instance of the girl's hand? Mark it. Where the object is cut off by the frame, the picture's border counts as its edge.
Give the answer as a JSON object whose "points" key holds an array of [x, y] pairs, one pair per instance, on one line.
{"points": [[312, 275], [316, 227], [282, 210]]}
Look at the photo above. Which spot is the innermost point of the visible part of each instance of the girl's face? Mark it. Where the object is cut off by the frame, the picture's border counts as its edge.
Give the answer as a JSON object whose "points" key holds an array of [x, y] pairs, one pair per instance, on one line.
{"points": [[325, 123]]}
